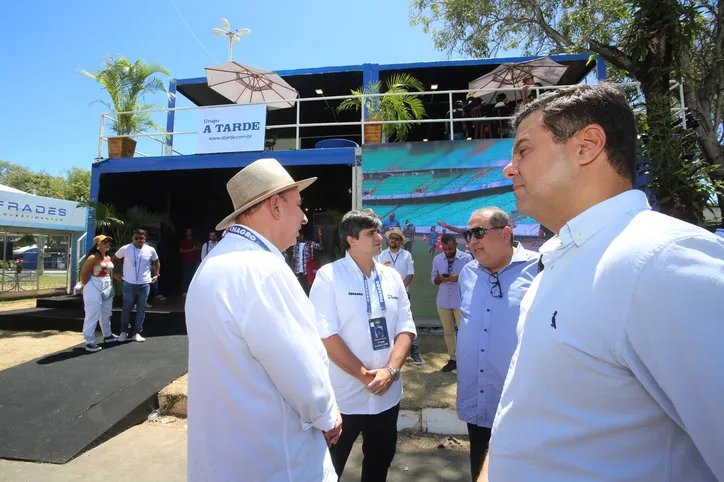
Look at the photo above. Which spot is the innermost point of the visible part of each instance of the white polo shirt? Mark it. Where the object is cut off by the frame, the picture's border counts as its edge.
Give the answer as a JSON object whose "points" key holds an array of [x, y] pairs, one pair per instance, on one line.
{"points": [[259, 389], [338, 294], [402, 262], [137, 263], [619, 370]]}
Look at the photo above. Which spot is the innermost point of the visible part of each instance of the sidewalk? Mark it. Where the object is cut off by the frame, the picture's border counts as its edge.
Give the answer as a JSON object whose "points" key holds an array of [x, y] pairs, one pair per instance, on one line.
{"points": [[156, 451]]}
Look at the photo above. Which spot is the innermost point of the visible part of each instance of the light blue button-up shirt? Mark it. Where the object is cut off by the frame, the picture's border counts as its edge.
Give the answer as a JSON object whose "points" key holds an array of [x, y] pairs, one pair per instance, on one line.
{"points": [[448, 294], [487, 335]]}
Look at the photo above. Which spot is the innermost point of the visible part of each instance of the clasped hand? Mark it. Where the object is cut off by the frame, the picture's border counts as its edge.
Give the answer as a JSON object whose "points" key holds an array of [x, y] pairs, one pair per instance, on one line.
{"points": [[377, 381]]}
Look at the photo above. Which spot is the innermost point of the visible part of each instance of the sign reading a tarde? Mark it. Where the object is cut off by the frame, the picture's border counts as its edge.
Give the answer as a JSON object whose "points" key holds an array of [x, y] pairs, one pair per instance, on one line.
{"points": [[231, 129]]}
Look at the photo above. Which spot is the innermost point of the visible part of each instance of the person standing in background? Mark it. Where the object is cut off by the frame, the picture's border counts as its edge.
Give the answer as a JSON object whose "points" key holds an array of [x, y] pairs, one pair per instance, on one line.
{"points": [[446, 268], [208, 245], [189, 260]]}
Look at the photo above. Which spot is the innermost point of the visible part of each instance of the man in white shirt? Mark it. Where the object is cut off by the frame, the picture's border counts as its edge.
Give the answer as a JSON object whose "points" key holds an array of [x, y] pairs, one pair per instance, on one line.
{"points": [[364, 320], [137, 279], [209, 245], [400, 259], [261, 406], [618, 371]]}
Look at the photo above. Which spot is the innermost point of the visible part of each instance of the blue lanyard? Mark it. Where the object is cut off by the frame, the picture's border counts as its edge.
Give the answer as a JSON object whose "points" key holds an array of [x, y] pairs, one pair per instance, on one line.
{"points": [[378, 288], [394, 260], [245, 233]]}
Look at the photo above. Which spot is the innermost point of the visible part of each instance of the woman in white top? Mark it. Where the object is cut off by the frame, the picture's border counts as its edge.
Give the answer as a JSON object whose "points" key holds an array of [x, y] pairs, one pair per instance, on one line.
{"points": [[97, 272]]}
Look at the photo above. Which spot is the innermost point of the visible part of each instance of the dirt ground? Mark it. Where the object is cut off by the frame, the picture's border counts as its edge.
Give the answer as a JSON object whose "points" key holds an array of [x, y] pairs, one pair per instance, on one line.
{"points": [[425, 385], [18, 347]]}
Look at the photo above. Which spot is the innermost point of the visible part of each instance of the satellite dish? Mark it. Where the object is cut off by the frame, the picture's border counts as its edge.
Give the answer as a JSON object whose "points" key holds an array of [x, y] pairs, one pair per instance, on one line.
{"points": [[218, 31], [225, 24]]}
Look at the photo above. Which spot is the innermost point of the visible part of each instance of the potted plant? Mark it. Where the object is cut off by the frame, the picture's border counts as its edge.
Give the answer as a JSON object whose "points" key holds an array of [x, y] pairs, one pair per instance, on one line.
{"points": [[388, 108], [127, 83]]}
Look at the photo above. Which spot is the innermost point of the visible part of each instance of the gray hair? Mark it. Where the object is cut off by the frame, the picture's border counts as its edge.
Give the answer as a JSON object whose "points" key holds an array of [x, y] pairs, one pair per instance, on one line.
{"points": [[497, 217], [355, 222], [567, 110]]}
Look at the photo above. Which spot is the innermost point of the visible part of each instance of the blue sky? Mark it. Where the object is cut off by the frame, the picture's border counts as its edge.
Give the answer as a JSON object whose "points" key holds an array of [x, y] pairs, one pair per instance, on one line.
{"points": [[46, 120]]}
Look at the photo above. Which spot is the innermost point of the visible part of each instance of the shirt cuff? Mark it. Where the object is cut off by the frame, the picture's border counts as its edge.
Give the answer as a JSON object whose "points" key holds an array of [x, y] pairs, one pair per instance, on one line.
{"points": [[327, 420]]}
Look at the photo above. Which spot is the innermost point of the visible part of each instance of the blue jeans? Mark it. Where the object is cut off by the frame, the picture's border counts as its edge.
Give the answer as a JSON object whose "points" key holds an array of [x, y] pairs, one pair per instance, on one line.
{"points": [[138, 295]]}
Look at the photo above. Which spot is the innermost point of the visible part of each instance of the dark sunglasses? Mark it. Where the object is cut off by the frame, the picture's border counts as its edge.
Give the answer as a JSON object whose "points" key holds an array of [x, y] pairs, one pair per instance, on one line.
{"points": [[105, 241], [496, 291], [139, 239], [478, 233]]}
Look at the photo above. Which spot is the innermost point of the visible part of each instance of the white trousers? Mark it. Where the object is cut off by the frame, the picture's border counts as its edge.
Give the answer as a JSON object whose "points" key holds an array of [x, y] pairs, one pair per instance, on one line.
{"points": [[96, 308]]}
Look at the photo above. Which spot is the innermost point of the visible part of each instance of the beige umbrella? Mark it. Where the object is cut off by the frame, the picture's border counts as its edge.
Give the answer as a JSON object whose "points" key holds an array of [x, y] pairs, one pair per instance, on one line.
{"points": [[506, 76], [243, 84]]}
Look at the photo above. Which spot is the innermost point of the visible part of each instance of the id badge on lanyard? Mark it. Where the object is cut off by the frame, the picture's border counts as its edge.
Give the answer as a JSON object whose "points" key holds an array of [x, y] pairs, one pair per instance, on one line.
{"points": [[379, 334]]}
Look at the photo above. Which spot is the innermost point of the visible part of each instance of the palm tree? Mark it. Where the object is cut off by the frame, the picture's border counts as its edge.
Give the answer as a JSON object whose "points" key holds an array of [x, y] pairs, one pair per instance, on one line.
{"points": [[390, 107], [127, 84]]}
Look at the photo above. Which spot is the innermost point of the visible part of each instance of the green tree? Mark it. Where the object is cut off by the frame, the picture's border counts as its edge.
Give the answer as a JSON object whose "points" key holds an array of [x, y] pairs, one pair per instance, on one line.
{"points": [[127, 84], [76, 185], [650, 41]]}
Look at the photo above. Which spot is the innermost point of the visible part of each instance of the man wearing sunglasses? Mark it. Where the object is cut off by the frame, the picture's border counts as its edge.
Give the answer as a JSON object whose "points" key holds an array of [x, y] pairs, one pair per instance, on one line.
{"points": [[491, 289], [138, 259]]}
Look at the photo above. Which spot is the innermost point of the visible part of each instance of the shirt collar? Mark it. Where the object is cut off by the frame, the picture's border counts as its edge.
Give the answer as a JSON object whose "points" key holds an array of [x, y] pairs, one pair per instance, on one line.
{"points": [[273, 249], [351, 265], [587, 224], [520, 254]]}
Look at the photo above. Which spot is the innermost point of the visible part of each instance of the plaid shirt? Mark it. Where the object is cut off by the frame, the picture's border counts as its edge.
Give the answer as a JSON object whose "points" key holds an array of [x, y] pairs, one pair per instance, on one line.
{"points": [[305, 256]]}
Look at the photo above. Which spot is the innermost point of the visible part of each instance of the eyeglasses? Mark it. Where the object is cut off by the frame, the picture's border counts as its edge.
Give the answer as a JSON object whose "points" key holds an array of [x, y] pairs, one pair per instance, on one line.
{"points": [[496, 291], [105, 241], [139, 239], [478, 233]]}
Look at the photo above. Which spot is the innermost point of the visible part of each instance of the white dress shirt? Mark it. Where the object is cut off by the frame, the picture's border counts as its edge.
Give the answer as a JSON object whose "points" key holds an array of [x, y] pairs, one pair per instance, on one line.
{"points": [[207, 247], [137, 263], [338, 294], [619, 370], [259, 388], [402, 262]]}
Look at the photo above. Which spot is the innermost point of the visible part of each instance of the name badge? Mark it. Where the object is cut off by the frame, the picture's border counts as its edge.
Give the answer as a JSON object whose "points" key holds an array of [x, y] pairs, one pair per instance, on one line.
{"points": [[378, 332]]}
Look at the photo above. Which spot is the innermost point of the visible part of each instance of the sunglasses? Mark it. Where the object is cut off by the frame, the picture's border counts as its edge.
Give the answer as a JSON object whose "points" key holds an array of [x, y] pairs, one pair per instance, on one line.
{"points": [[139, 239], [105, 241], [478, 233], [395, 238]]}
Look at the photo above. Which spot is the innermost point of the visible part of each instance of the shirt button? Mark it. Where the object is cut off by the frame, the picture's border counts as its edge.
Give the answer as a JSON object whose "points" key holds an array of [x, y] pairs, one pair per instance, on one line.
{"points": [[485, 330], [481, 371], [483, 349], [488, 309], [481, 391]]}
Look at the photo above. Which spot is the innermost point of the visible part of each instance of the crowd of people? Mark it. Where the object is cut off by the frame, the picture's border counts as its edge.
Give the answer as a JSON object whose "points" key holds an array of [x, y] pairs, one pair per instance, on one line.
{"points": [[597, 358]]}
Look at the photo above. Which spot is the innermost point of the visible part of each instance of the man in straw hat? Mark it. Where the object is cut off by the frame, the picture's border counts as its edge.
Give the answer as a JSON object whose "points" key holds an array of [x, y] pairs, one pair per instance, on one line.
{"points": [[261, 405], [396, 257]]}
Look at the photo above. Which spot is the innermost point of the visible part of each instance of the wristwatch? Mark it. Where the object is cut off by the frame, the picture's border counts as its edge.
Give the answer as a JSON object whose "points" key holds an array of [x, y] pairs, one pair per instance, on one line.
{"points": [[394, 373]]}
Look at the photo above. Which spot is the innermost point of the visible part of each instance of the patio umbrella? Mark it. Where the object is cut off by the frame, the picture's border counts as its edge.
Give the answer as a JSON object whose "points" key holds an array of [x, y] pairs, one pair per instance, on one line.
{"points": [[543, 70], [243, 84]]}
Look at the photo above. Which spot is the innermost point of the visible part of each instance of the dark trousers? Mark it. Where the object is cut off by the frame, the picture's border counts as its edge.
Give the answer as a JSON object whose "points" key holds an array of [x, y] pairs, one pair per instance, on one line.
{"points": [[187, 274], [303, 281], [379, 441], [479, 440]]}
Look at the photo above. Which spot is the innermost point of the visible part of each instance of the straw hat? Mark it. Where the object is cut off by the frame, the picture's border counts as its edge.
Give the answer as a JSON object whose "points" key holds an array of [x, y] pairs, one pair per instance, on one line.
{"points": [[100, 238], [398, 232], [258, 181]]}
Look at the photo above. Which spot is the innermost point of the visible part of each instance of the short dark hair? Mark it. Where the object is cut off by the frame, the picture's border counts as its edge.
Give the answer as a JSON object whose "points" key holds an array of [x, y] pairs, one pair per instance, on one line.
{"points": [[355, 222], [567, 110], [446, 238], [140, 231]]}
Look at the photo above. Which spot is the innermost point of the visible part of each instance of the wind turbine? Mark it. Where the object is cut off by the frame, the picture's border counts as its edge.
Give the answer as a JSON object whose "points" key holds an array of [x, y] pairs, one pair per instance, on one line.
{"points": [[233, 35]]}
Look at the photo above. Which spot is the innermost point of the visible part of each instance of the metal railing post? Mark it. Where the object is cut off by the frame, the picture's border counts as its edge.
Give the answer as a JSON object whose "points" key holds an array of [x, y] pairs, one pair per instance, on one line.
{"points": [[362, 110], [298, 142], [100, 137], [452, 135], [683, 103]]}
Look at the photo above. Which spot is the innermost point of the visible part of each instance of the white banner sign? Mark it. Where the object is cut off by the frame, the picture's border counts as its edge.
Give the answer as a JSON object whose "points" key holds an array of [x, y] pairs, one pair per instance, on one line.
{"points": [[28, 211], [231, 129]]}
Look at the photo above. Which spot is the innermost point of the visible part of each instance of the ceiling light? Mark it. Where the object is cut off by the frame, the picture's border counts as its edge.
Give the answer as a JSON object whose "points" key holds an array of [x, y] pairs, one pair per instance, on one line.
{"points": [[424, 140], [470, 138], [319, 91], [433, 87]]}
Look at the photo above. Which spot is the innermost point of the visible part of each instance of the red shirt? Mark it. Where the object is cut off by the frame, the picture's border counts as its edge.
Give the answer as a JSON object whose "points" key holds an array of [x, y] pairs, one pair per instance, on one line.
{"points": [[187, 243]]}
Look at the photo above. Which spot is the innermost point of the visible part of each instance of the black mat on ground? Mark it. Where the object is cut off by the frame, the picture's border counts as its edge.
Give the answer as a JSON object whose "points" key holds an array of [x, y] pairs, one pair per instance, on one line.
{"points": [[39, 319], [69, 302], [53, 408]]}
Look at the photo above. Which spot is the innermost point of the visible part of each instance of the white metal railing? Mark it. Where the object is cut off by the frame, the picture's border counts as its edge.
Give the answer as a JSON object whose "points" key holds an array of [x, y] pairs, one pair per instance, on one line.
{"points": [[298, 125]]}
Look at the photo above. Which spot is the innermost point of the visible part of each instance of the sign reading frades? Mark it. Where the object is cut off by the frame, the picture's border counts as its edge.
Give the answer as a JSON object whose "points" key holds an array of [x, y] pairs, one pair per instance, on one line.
{"points": [[26, 210], [231, 129]]}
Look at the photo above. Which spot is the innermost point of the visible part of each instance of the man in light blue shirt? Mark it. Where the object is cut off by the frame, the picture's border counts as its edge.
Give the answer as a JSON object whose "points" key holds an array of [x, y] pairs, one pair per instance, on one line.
{"points": [[491, 289], [446, 268], [618, 371]]}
